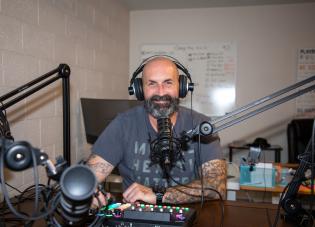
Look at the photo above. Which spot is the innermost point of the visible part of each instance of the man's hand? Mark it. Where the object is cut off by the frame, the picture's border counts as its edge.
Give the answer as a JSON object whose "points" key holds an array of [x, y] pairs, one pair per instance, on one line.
{"points": [[137, 192], [101, 200]]}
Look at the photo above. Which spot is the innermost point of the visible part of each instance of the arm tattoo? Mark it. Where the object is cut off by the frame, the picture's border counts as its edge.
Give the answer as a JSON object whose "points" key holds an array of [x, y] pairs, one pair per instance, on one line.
{"points": [[101, 167], [214, 176]]}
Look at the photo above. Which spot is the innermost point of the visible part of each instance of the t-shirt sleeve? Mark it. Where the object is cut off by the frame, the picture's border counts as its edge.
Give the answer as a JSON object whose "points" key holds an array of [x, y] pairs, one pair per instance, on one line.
{"points": [[109, 144], [211, 150], [210, 147]]}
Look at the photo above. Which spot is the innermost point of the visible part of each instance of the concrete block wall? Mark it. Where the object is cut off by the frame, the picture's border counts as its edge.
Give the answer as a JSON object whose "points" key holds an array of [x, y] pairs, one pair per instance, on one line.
{"points": [[92, 37]]}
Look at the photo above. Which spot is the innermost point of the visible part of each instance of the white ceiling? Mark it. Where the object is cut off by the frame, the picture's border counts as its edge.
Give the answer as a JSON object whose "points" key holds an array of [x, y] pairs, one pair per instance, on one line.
{"points": [[184, 4]]}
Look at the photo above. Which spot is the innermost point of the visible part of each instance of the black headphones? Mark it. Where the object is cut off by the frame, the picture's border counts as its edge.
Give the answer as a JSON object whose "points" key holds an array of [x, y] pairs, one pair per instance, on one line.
{"points": [[136, 86]]}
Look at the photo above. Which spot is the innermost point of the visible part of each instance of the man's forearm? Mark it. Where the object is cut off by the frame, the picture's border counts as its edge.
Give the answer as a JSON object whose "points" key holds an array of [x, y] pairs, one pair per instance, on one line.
{"points": [[100, 167], [214, 176]]}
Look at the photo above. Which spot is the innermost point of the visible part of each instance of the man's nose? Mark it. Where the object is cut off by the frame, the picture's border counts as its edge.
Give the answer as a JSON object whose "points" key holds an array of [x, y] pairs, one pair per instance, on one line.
{"points": [[161, 89]]}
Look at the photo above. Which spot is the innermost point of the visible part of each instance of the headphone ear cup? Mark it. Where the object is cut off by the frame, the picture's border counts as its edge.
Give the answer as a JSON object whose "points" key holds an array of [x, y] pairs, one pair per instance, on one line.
{"points": [[138, 89], [182, 86]]}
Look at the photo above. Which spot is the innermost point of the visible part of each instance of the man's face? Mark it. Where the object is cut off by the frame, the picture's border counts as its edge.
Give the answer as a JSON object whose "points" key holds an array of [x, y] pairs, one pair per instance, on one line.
{"points": [[161, 88]]}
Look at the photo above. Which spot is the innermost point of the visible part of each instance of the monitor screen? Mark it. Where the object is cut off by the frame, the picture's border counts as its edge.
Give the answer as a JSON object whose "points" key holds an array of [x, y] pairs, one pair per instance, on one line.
{"points": [[98, 113]]}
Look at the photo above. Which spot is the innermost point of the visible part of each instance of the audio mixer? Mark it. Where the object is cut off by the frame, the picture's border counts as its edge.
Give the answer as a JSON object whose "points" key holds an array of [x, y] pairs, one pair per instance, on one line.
{"points": [[144, 215]]}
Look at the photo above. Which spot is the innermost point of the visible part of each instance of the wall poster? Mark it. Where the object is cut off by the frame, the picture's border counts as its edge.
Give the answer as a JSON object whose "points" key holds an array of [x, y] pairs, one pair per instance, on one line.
{"points": [[305, 104]]}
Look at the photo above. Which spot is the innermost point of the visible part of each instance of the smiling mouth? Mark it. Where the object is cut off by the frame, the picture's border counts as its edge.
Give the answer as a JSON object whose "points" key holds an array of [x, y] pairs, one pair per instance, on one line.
{"points": [[162, 103]]}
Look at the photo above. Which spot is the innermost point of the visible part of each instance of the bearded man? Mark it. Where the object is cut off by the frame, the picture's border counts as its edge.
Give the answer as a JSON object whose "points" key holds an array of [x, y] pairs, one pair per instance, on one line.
{"points": [[125, 143]]}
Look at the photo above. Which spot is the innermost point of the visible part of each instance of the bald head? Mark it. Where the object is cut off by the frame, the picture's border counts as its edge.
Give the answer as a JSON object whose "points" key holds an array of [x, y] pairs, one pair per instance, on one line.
{"points": [[158, 64], [160, 77]]}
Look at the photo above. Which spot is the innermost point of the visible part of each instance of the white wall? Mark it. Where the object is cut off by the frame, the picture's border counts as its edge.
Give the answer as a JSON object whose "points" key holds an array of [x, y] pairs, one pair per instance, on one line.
{"points": [[35, 37], [267, 40]]}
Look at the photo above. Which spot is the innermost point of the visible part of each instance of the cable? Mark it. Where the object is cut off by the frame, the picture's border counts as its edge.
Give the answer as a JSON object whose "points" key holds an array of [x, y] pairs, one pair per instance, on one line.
{"points": [[100, 189], [14, 188], [305, 161], [198, 166], [6, 194], [4, 124], [201, 172], [191, 109], [308, 159], [31, 196], [279, 205], [264, 171], [206, 188], [29, 189], [312, 171], [268, 218], [35, 173], [20, 198], [281, 200]]}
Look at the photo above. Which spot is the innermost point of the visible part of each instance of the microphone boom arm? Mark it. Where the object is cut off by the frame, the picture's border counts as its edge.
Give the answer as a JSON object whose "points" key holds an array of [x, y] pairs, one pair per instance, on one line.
{"points": [[214, 126], [63, 72], [289, 203]]}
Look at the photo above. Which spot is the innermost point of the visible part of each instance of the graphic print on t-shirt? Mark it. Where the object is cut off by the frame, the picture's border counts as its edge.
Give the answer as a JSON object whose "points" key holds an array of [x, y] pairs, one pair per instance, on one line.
{"points": [[150, 175]]}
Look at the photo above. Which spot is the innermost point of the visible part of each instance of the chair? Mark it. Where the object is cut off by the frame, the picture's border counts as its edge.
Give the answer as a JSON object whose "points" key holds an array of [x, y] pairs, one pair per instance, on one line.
{"points": [[299, 132], [113, 182]]}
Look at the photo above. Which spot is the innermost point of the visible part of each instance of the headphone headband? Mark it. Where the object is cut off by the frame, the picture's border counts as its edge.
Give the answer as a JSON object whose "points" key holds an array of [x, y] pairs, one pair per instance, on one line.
{"points": [[135, 86]]}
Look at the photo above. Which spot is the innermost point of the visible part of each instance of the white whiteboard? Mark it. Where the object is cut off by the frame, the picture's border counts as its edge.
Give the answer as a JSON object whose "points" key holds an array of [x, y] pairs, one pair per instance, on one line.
{"points": [[213, 70]]}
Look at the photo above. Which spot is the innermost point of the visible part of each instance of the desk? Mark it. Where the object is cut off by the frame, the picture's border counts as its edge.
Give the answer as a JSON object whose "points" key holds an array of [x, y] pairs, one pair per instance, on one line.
{"points": [[276, 148], [276, 189], [236, 214]]}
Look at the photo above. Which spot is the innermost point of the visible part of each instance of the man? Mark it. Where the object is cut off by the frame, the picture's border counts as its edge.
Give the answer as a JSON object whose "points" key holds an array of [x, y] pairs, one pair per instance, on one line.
{"points": [[126, 143]]}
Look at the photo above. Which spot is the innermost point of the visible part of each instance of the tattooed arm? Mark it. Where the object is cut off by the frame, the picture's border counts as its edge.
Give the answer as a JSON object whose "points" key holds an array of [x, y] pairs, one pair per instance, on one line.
{"points": [[214, 173], [214, 176], [100, 167]]}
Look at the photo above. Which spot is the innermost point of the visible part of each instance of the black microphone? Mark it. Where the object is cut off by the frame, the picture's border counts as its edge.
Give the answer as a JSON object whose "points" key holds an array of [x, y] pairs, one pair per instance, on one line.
{"points": [[162, 148], [165, 144], [78, 184]]}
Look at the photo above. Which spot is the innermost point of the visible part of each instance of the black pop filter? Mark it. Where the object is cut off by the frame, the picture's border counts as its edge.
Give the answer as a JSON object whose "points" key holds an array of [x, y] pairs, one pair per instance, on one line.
{"points": [[78, 184]]}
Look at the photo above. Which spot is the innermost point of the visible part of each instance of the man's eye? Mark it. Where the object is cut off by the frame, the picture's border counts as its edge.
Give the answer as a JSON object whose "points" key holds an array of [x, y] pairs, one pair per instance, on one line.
{"points": [[168, 83]]}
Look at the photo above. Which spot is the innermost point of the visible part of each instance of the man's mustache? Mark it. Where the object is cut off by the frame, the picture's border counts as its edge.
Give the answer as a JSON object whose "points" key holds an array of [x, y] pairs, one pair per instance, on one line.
{"points": [[161, 98]]}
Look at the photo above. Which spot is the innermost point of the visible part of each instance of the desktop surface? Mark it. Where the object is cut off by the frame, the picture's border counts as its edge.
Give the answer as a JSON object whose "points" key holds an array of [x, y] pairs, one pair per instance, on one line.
{"points": [[236, 214]]}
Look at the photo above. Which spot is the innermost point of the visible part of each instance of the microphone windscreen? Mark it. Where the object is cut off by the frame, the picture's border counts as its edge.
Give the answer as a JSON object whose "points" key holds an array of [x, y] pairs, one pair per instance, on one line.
{"points": [[78, 184], [164, 135]]}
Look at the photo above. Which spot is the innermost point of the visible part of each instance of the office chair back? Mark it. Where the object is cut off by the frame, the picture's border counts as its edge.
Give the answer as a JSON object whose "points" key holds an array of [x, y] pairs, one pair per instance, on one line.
{"points": [[299, 132]]}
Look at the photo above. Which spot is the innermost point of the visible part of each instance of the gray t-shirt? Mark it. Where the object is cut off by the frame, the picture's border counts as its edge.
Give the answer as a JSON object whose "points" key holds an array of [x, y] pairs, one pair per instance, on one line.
{"points": [[125, 143]]}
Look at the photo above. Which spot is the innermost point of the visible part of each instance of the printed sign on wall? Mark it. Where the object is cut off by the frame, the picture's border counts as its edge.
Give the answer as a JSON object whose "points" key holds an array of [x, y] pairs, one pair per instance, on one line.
{"points": [[305, 104]]}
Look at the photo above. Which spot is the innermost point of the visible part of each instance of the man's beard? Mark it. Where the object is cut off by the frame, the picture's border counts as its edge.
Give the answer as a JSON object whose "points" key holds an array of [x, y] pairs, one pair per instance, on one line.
{"points": [[159, 110]]}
